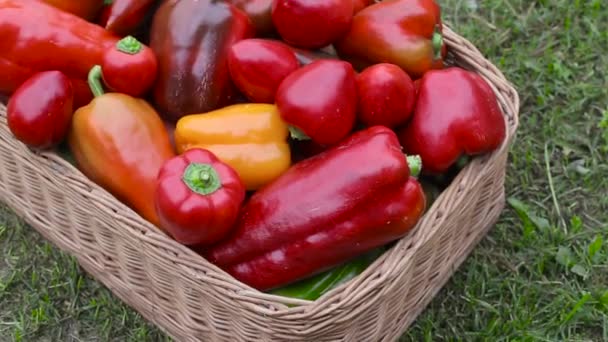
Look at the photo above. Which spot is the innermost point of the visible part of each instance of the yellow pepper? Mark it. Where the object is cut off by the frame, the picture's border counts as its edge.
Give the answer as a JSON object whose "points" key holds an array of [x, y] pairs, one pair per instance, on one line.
{"points": [[251, 138]]}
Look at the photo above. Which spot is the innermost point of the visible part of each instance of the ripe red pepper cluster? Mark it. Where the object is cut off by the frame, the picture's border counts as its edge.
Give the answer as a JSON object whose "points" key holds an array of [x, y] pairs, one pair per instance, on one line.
{"points": [[361, 86]]}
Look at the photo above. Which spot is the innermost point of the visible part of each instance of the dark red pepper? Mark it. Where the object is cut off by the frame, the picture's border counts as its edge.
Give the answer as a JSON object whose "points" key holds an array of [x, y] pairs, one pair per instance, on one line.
{"points": [[386, 95], [191, 39], [40, 111], [323, 211], [456, 112], [320, 101], [198, 197], [312, 24], [128, 68], [125, 17], [258, 66]]}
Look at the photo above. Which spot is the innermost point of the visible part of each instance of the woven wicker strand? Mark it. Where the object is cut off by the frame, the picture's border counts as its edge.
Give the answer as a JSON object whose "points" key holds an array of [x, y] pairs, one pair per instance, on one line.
{"points": [[193, 300]]}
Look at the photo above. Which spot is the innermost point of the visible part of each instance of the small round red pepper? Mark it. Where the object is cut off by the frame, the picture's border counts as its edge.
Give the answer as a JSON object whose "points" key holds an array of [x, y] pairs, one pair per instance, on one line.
{"points": [[129, 67], [258, 66], [198, 197], [386, 95], [312, 24], [40, 111], [319, 101]]}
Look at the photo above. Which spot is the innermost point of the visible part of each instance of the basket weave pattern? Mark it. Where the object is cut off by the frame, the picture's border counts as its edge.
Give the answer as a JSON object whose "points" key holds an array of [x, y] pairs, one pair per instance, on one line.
{"points": [[192, 300]]}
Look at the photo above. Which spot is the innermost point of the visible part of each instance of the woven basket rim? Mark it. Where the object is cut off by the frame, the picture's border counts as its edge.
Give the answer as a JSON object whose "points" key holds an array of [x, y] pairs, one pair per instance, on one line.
{"points": [[198, 267]]}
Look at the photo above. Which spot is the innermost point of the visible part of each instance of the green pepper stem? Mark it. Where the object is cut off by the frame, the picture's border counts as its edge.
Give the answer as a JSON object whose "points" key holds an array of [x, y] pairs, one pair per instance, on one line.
{"points": [[130, 45], [297, 133], [415, 164], [94, 80], [107, 2], [202, 178], [437, 42]]}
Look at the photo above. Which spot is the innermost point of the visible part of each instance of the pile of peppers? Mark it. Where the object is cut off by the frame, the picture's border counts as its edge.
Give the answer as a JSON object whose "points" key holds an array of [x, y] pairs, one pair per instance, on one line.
{"points": [[288, 142]]}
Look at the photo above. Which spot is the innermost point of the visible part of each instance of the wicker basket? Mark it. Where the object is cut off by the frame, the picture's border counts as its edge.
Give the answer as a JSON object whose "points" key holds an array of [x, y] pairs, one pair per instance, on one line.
{"points": [[192, 300]]}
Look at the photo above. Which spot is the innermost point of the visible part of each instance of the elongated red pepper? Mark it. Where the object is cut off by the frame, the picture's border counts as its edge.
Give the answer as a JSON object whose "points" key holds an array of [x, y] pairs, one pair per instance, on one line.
{"points": [[191, 39], [198, 197], [35, 36], [323, 211], [457, 112], [125, 17], [407, 33]]}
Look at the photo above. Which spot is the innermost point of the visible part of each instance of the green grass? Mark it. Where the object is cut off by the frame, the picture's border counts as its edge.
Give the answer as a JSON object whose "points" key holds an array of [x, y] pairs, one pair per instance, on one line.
{"points": [[540, 275]]}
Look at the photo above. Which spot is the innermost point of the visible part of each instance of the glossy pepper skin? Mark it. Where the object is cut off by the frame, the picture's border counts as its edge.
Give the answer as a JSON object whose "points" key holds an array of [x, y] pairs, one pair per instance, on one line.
{"points": [[35, 37], [191, 39], [198, 197], [259, 12], [125, 17], [312, 24], [323, 211], [121, 143], [27, 27], [251, 138], [407, 33], [86, 9], [314, 287], [386, 95], [456, 113], [129, 67], [258, 66], [326, 114], [40, 112]]}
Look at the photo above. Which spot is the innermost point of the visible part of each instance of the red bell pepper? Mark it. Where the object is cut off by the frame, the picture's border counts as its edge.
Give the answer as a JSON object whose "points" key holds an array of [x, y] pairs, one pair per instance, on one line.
{"points": [[323, 211], [86, 9], [386, 95], [40, 112], [259, 11], [257, 67], [407, 33], [191, 39], [198, 197], [457, 112], [312, 24], [129, 67], [125, 17], [320, 101], [35, 37]]}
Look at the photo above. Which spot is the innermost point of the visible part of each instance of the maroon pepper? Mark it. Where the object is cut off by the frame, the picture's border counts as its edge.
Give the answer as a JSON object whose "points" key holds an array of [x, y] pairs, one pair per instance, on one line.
{"points": [[456, 112], [323, 211], [191, 39], [320, 101]]}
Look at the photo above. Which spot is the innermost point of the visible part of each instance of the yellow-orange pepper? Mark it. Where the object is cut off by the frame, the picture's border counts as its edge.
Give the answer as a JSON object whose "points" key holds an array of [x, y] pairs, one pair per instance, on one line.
{"points": [[251, 138]]}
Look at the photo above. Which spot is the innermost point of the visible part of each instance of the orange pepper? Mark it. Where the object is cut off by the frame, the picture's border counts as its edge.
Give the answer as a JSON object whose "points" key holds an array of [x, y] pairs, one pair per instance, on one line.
{"points": [[120, 143], [251, 138]]}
